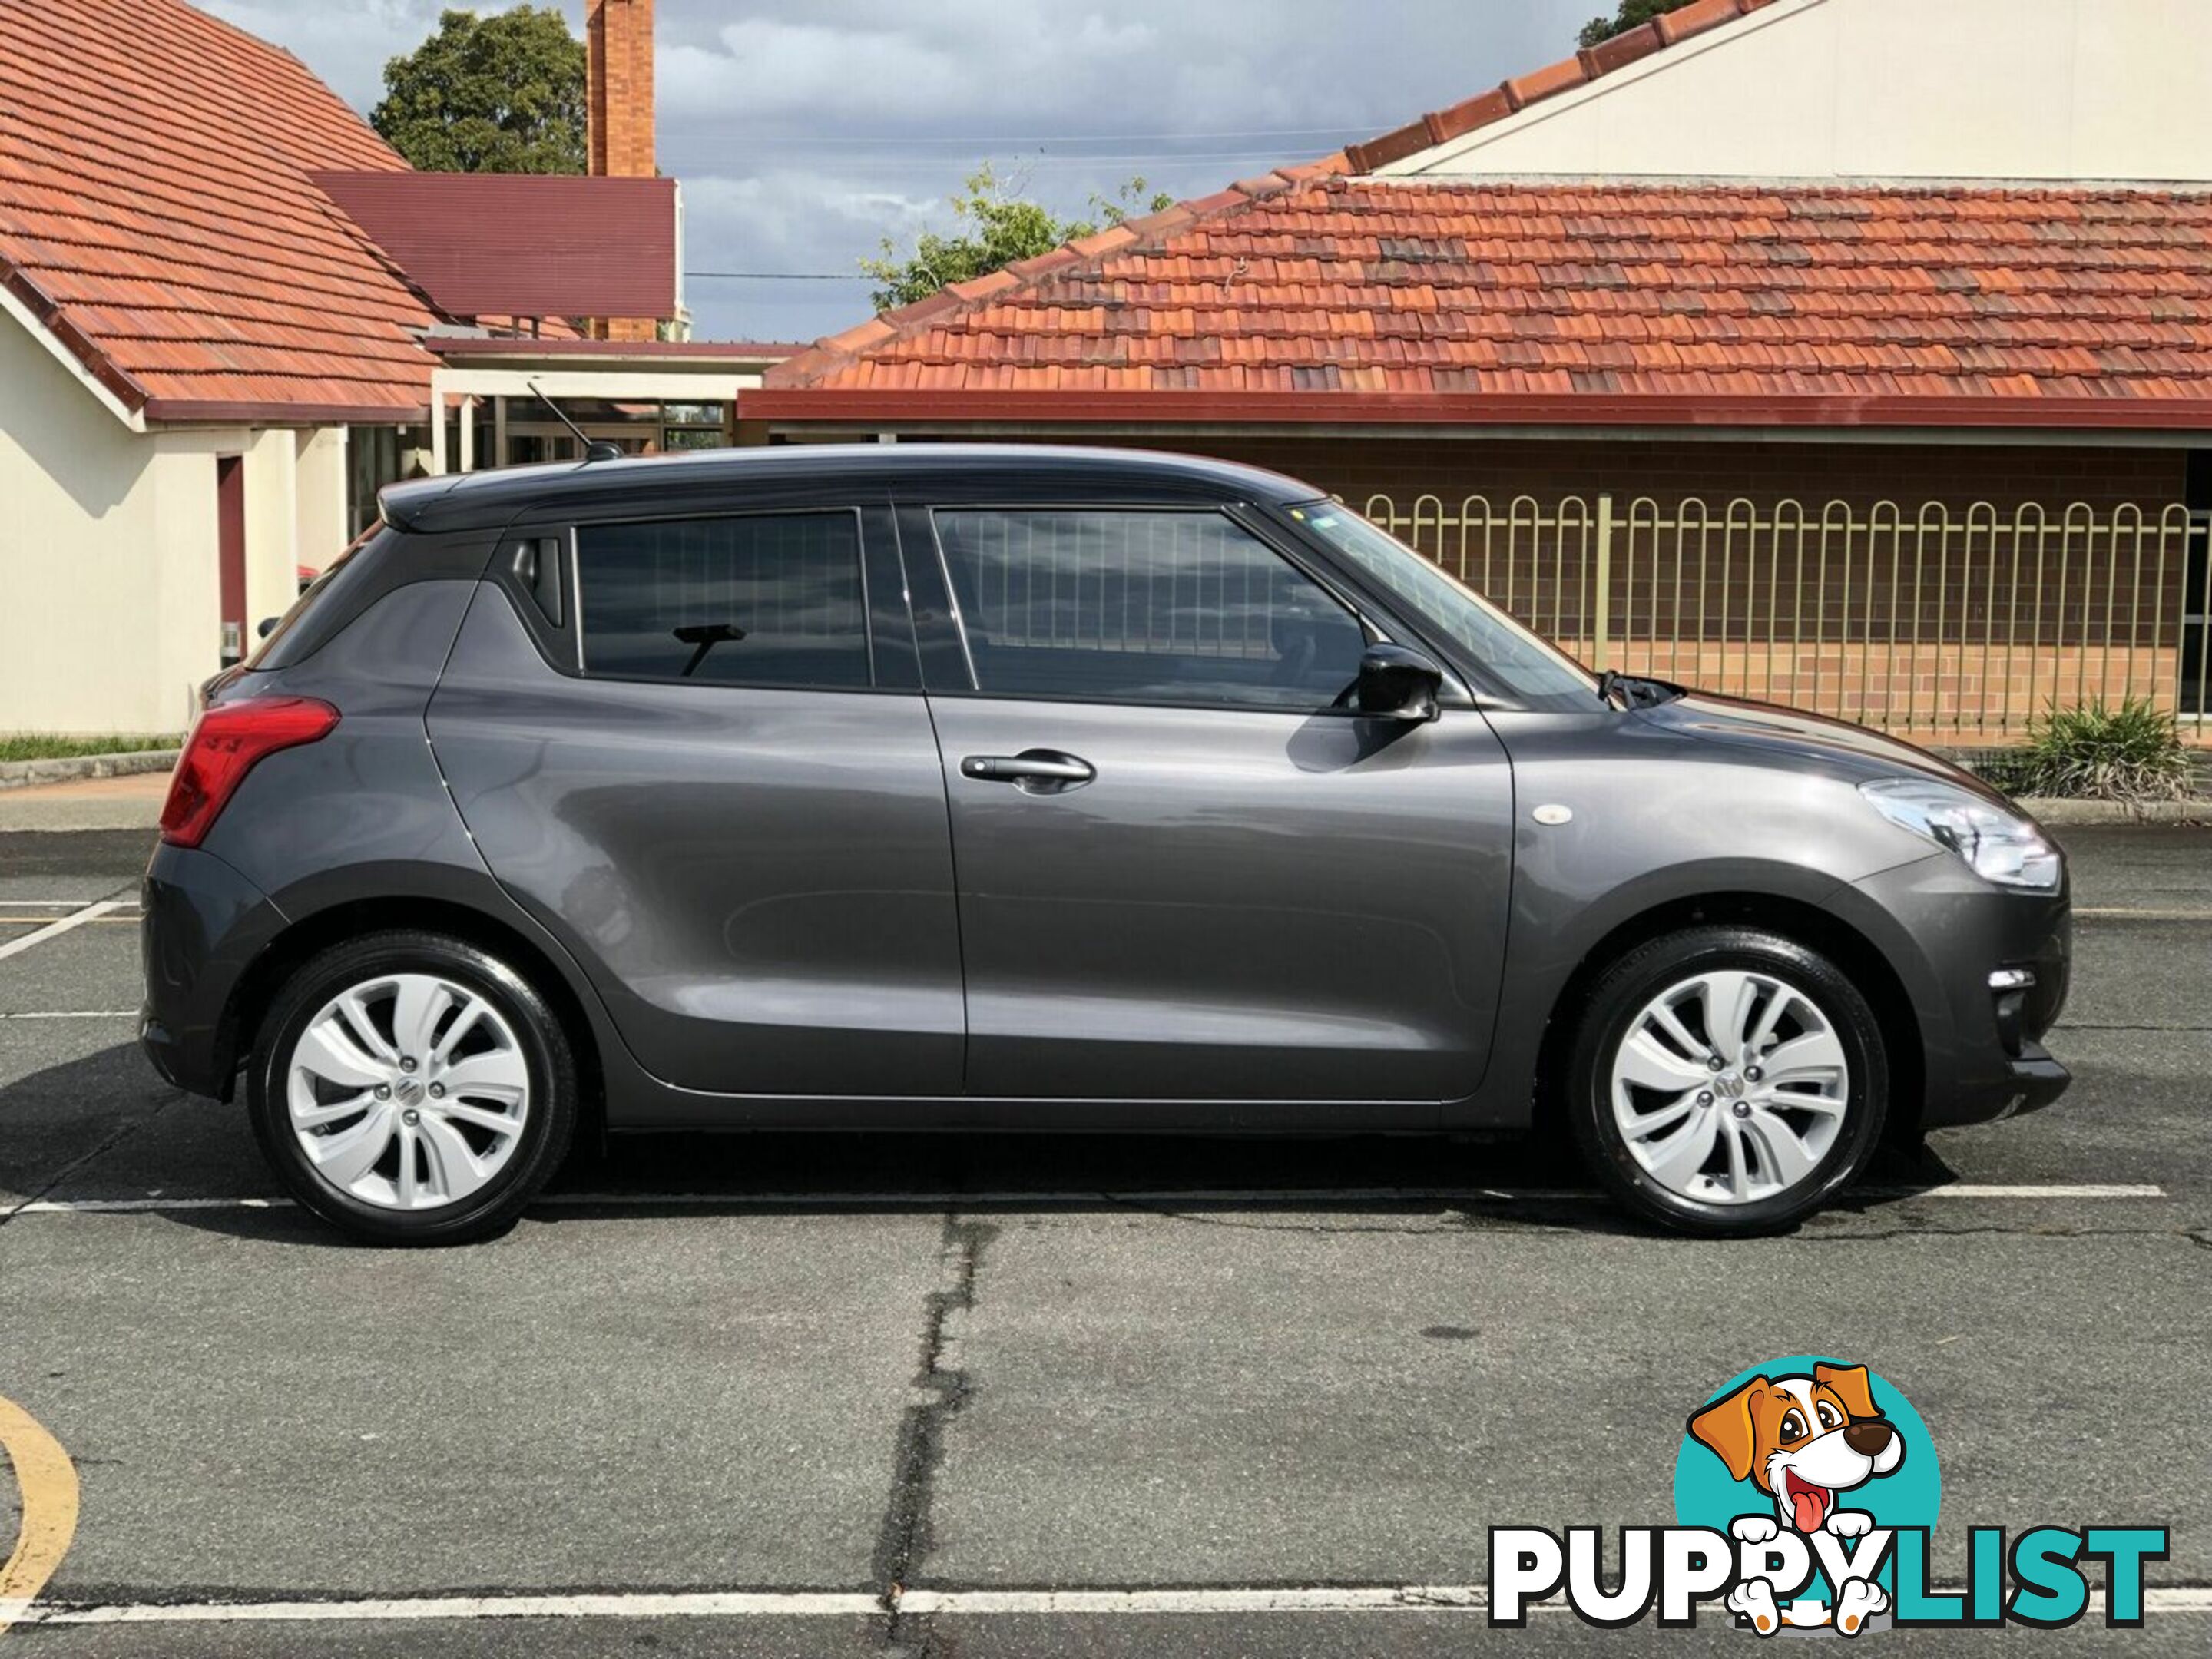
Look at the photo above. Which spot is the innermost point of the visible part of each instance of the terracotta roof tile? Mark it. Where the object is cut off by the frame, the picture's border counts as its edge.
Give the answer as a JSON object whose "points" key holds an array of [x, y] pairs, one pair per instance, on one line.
{"points": [[170, 221], [1431, 290]]}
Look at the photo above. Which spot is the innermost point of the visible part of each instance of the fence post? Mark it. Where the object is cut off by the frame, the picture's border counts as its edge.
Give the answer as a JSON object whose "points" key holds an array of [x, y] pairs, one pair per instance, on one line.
{"points": [[1601, 605]]}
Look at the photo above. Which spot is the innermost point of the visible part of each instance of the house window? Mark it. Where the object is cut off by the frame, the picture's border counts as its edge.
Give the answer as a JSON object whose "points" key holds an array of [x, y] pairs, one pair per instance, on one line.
{"points": [[772, 600]]}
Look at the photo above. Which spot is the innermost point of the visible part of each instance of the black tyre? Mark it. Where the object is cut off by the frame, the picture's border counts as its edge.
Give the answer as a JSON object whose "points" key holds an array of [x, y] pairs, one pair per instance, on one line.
{"points": [[1726, 1081], [412, 1089]]}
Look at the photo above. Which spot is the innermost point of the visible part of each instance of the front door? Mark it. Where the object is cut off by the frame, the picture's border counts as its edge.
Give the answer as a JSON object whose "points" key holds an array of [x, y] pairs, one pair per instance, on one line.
{"points": [[1185, 876]]}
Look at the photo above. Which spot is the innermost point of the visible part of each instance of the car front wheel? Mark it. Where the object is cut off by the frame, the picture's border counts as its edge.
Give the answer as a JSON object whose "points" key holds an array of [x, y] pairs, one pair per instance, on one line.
{"points": [[1726, 1080], [412, 1089]]}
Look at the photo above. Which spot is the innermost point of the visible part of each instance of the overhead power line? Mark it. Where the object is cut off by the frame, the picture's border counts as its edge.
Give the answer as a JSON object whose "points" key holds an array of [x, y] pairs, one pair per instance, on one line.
{"points": [[948, 165], [1000, 140], [784, 275]]}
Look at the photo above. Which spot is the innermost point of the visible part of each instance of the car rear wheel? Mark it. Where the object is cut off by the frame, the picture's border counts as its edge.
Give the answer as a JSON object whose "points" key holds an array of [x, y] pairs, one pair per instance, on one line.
{"points": [[1726, 1080], [412, 1089]]}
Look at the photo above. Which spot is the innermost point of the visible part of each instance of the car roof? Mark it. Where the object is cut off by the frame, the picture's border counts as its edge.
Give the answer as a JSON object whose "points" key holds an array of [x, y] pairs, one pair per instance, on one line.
{"points": [[1005, 472]]}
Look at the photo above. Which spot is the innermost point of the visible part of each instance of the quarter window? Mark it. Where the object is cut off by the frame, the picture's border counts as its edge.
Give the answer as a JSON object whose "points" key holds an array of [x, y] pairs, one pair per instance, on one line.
{"points": [[769, 599], [1157, 607]]}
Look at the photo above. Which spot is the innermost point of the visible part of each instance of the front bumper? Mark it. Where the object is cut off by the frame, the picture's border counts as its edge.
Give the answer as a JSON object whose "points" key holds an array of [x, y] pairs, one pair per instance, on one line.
{"points": [[1945, 932], [203, 928]]}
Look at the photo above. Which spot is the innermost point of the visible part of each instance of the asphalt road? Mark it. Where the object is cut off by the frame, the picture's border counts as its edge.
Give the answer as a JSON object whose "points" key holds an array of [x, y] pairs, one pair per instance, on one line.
{"points": [[773, 1378]]}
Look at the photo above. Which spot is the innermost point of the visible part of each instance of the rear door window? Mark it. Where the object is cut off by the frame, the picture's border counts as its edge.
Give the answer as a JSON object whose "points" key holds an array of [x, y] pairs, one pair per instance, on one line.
{"points": [[1179, 608], [763, 600]]}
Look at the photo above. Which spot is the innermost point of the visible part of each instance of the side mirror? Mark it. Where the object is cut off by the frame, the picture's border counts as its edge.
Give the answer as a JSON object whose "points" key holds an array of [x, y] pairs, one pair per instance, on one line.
{"points": [[268, 626], [1397, 683]]}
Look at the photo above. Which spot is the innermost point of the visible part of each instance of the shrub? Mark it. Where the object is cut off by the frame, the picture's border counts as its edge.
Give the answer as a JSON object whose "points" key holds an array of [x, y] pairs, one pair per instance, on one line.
{"points": [[27, 746], [2131, 752]]}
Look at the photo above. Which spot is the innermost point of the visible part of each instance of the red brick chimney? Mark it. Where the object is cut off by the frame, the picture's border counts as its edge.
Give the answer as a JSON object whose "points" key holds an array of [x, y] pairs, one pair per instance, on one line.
{"points": [[618, 47]]}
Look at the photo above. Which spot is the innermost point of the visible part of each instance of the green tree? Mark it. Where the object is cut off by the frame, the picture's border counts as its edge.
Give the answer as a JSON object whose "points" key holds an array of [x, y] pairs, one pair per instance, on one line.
{"points": [[503, 93], [1631, 12], [998, 227]]}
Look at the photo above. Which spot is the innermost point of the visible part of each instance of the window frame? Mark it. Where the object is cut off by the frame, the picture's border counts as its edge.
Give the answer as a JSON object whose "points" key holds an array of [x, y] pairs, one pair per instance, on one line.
{"points": [[1372, 628], [573, 632]]}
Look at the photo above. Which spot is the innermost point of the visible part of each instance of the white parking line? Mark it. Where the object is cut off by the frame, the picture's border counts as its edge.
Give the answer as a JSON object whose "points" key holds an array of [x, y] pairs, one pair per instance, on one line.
{"points": [[835, 1604], [1968, 1189], [74, 919], [1350, 1598], [794, 1604], [2144, 915], [77, 1013], [156, 1203]]}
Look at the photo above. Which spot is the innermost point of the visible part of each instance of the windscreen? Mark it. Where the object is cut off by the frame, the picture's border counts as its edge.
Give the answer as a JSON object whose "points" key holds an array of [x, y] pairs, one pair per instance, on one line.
{"points": [[1523, 664]]}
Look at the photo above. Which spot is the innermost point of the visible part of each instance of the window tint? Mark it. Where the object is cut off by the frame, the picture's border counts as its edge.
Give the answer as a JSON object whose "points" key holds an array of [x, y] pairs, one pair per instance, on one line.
{"points": [[1143, 607], [775, 599]]}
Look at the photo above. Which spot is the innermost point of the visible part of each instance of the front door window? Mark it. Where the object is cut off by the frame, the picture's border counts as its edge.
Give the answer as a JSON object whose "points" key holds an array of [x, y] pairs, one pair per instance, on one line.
{"points": [[1181, 609]]}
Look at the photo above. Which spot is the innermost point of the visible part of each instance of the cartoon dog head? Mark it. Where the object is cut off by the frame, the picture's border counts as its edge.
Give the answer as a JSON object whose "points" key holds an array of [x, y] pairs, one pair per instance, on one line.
{"points": [[1801, 1439]]}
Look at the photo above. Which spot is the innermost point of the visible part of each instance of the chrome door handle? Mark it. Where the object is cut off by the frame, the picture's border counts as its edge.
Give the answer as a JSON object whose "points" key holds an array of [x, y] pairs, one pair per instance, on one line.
{"points": [[1039, 771]]}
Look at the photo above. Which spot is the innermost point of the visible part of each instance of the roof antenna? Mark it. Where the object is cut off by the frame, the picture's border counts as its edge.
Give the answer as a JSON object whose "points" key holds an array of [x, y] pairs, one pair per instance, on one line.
{"points": [[595, 449]]}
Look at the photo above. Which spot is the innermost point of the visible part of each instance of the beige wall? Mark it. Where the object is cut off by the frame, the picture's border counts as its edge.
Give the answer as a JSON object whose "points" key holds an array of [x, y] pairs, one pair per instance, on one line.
{"points": [[1968, 90], [319, 496], [110, 617]]}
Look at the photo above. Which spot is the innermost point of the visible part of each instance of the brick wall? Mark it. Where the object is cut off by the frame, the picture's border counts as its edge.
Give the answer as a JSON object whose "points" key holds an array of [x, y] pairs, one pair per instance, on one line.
{"points": [[1763, 473], [618, 55]]}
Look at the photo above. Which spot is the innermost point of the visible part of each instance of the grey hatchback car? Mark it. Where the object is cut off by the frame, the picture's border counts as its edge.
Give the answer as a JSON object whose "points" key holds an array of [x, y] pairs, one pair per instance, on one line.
{"points": [[1027, 789]]}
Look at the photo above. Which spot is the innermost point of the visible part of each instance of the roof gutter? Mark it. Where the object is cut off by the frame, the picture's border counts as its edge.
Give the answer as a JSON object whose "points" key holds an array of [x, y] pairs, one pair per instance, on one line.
{"points": [[1302, 409], [203, 411]]}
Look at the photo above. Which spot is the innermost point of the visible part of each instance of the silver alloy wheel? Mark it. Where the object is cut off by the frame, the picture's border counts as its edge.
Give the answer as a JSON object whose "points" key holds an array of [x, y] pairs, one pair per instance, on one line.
{"points": [[408, 1091], [1730, 1087]]}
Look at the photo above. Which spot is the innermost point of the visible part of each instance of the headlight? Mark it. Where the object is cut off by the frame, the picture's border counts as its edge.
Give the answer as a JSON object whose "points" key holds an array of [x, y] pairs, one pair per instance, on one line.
{"points": [[1997, 846]]}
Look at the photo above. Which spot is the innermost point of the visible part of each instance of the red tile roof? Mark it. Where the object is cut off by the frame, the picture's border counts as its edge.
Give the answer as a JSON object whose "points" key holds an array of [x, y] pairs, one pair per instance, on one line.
{"points": [[1361, 298], [157, 214], [1315, 292]]}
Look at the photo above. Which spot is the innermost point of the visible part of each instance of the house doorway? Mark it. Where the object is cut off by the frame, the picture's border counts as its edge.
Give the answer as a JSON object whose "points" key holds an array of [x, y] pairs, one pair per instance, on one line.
{"points": [[230, 554]]}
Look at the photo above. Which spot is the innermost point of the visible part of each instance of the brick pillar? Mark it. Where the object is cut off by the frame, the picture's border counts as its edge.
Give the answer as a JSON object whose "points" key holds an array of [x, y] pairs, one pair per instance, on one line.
{"points": [[618, 47]]}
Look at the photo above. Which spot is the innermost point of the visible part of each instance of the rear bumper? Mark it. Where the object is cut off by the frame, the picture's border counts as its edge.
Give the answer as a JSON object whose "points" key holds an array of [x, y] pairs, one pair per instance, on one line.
{"points": [[204, 925], [1945, 932]]}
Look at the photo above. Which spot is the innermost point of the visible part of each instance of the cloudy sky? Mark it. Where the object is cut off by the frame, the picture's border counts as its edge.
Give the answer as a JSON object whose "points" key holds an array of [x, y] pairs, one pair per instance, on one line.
{"points": [[805, 134]]}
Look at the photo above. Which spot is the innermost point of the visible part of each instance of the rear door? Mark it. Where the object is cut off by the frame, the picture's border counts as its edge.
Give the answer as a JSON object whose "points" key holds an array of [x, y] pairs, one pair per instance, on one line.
{"points": [[696, 748], [1184, 875]]}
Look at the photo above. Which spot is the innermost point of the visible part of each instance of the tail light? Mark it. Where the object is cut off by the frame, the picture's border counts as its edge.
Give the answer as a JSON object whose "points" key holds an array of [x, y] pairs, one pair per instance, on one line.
{"points": [[227, 743]]}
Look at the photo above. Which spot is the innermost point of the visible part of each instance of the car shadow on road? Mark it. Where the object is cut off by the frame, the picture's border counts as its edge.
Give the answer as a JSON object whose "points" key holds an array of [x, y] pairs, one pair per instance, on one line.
{"points": [[101, 1127]]}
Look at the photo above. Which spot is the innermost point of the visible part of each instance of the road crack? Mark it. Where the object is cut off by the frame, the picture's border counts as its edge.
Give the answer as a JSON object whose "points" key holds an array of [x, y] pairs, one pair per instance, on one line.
{"points": [[940, 1389]]}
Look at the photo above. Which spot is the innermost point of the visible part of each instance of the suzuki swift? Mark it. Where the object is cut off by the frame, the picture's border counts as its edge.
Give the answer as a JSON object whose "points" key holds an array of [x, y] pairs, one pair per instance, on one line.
{"points": [[1029, 789]]}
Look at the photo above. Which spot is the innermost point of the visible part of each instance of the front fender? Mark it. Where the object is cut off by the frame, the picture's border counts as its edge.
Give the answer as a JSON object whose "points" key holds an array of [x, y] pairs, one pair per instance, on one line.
{"points": [[1654, 820]]}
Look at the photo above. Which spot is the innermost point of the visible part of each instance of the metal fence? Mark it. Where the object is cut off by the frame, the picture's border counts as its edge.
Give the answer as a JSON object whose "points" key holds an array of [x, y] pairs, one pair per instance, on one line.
{"points": [[1953, 623]]}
